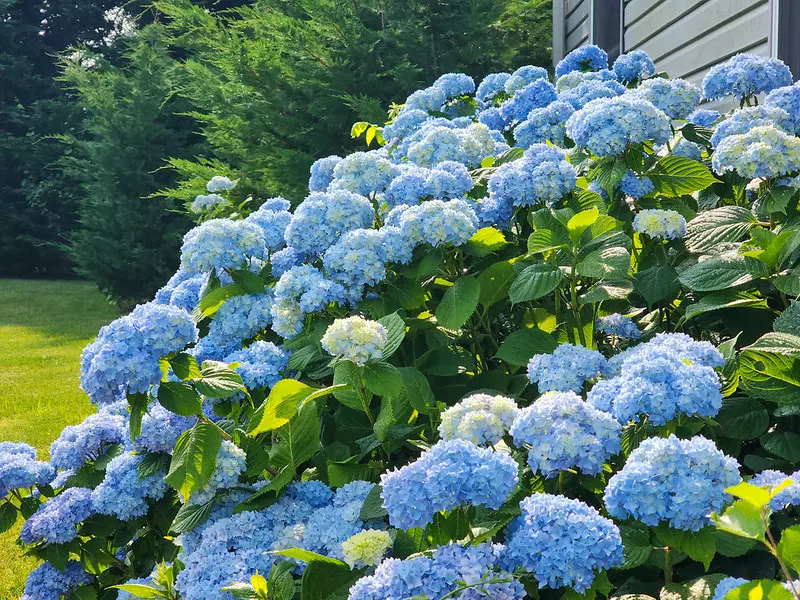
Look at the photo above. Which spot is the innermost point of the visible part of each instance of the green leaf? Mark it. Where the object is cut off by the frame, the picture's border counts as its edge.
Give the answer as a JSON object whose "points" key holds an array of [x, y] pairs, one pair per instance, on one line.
{"points": [[518, 348], [756, 496], [785, 444], [543, 240], [138, 408], [308, 557], [210, 302], [373, 506], [185, 366], [153, 463], [140, 591], [778, 198], [8, 516], [190, 516], [298, 440], [281, 405], [395, 333], [495, 282], [742, 418], [248, 281], [459, 302], [789, 320], [701, 588], [418, 390], [280, 583], [383, 379], [789, 547], [580, 223], [602, 291], [327, 581], [485, 241], [723, 299], [347, 373], [763, 589], [241, 590], [218, 380], [535, 281], [770, 369], [84, 592], [712, 227], [788, 283], [742, 519], [657, 284], [722, 272], [636, 545], [675, 176], [180, 398], [608, 263], [733, 546], [358, 128], [194, 459]]}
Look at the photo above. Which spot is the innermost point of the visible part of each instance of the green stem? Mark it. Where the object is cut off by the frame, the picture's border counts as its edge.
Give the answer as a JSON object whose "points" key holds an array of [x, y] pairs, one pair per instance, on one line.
{"points": [[573, 291], [773, 548], [362, 393], [667, 565]]}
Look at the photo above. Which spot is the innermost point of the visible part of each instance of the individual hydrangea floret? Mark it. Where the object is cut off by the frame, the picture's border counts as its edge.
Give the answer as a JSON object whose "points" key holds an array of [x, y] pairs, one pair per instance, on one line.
{"points": [[787, 98], [479, 418], [230, 464], [56, 519], [78, 444], [618, 325], [674, 481], [566, 369], [675, 97], [260, 364], [273, 217], [364, 173], [660, 224], [356, 339], [591, 89], [206, 201], [123, 493], [321, 173], [634, 65], [450, 474], [634, 186], [435, 222], [584, 58], [366, 548], [728, 585], [161, 428], [761, 152], [219, 183], [544, 125], [221, 244], [562, 542], [524, 76], [490, 86], [448, 569], [745, 119], [322, 218], [562, 432], [607, 126], [455, 84], [745, 75], [703, 117], [48, 583]]}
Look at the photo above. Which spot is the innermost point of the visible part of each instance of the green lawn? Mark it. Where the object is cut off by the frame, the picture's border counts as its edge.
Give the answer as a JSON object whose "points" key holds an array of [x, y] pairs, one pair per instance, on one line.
{"points": [[44, 325]]}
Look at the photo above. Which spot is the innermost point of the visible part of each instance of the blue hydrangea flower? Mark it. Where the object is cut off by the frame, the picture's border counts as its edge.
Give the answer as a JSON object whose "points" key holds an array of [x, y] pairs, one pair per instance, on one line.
{"points": [[56, 519], [407, 122], [219, 183], [675, 97], [455, 84], [364, 173], [680, 482], [221, 244], [468, 146], [123, 493], [727, 585], [48, 583], [241, 317], [450, 474], [160, 430], [544, 125], [537, 94], [677, 345], [618, 325], [562, 432], [703, 117], [761, 152], [206, 201], [584, 58], [789, 496], [321, 173], [606, 126], [356, 339], [19, 449], [396, 247], [591, 89], [309, 287], [441, 575], [429, 99], [321, 219], [230, 464], [260, 364], [495, 211], [285, 259], [566, 369], [687, 149], [408, 188], [357, 259], [745, 75], [541, 176], [788, 99], [449, 179], [634, 186], [562, 542], [575, 78], [745, 119], [634, 65], [186, 294], [273, 217], [660, 224], [88, 440], [490, 86], [435, 222], [493, 119], [479, 418], [524, 76], [20, 471]]}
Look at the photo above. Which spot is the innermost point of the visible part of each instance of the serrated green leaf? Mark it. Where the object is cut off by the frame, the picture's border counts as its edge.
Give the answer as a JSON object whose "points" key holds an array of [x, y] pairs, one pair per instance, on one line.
{"points": [[218, 380], [485, 241], [608, 263], [458, 303], [495, 282], [518, 348], [180, 398], [383, 379], [395, 333], [535, 281], [742, 418], [712, 227], [675, 176], [581, 222], [194, 459], [722, 272]]}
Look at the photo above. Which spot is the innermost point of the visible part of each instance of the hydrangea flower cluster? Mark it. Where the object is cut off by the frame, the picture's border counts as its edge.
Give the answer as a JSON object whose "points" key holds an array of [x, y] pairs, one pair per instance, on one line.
{"points": [[19, 468], [591, 89], [160, 430], [360, 257], [562, 542], [788, 99], [299, 291], [703, 117], [366, 548], [448, 475], [321, 173], [675, 97], [789, 496], [680, 482], [435, 222], [607, 125], [584, 58], [764, 151], [745, 119], [206, 201], [238, 318], [48, 583], [634, 65], [537, 94], [562, 432], [123, 493], [619, 326], [356, 339], [364, 172], [660, 224], [221, 244], [219, 183], [491, 86], [678, 345], [634, 186], [126, 352], [273, 217], [523, 76], [260, 364], [745, 75], [566, 369], [436, 577], [230, 464], [56, 519], [469, 145], [78, 444], [544, 125], [479, 418]]}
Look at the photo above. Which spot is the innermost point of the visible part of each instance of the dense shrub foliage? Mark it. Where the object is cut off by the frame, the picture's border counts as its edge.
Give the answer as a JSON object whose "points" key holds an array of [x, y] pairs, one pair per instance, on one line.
{"points": [[542, 343]]}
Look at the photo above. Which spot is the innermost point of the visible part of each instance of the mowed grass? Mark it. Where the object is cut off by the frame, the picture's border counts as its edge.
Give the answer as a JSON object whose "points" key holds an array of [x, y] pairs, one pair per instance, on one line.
{"points": [[44, 325]]}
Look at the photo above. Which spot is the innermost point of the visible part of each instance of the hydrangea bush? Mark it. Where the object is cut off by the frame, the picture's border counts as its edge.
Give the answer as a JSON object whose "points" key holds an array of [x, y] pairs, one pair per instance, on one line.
{"points": [[541, 342]]}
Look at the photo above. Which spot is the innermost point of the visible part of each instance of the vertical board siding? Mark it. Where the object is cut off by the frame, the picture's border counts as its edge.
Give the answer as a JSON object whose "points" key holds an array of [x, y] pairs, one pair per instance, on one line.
{"points": [[577, 24]]}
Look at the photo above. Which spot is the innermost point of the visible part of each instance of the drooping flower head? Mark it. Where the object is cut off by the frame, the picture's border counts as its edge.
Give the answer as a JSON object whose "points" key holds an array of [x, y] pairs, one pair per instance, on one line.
{"points": [[55, 521], [123, 493]]}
